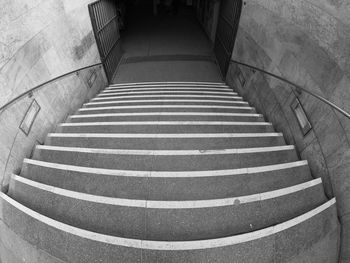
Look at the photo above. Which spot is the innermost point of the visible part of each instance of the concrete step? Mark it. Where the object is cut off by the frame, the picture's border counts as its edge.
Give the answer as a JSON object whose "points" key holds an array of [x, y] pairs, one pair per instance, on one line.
{"points": [[185, 185], [158, 141], [167, 116], [164, 83], [313, 235], [166, 160], [166, 108], [151, 102], [168, 84], [166, 127], [168, 220], [143, 97], [184, 91], [168, 89]]}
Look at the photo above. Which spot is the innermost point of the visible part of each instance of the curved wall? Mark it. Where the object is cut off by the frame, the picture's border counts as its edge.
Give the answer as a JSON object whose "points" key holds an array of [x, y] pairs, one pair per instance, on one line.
{"points": [[40, 40], [307, 42]]}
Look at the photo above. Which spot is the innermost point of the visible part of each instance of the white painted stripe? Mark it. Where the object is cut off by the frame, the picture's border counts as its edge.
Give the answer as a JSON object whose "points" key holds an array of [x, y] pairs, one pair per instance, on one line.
{"points": [[167, 88], [164, 135], [191, 204], [166, 113], [173, 87], [113, 93], [169, 83], [170, 123], [164, 100], [168, 245], [168, 107], [166, 152], [168, 96], [168, 174]]}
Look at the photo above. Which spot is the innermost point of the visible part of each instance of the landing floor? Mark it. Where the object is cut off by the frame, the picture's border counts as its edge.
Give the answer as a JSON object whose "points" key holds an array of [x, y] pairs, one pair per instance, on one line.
{"points": [[166, 48]]}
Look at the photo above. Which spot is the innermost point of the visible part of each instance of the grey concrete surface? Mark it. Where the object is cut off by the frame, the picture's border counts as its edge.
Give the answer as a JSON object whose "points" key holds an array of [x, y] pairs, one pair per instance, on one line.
{"points": [[168, 71]]}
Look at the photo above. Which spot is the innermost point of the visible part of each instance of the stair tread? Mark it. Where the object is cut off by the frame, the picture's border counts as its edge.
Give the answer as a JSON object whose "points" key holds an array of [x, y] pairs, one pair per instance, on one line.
{"points": [[168, 220], [166, 185], [313, 228], [165, 108], [107, 93], [159, 102], [169, 160], [164, 141], [166, 126], [164, 83], [166, 116], [167, 96]]}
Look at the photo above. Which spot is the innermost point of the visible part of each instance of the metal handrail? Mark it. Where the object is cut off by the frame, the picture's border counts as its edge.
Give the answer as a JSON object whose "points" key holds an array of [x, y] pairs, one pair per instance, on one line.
{"points": [[44, 84], [337, 108]]}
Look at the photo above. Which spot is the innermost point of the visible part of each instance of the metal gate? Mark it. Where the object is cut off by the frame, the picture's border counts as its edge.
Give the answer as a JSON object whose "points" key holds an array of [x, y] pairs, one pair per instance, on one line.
{"points": [[104, 19], [230, 13]]}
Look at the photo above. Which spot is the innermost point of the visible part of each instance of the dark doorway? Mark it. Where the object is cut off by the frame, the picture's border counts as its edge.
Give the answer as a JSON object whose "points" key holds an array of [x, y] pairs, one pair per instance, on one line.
{"points": [[226, 33], [104, 16], [170, 45], [143, 45]]}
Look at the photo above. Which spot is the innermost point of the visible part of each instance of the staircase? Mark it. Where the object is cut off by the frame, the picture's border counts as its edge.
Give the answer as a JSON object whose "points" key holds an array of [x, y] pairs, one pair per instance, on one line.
{"points": [[167, 172]]}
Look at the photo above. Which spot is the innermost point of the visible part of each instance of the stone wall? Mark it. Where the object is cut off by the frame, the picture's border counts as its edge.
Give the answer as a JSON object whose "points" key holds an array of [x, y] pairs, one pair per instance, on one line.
{"points": [[307, 42], [208, 16], [40, 40]]}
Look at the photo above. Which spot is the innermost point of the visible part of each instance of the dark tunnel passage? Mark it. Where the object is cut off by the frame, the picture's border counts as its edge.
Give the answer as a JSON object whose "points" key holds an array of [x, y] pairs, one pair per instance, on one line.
{"points": [[172, 39]]}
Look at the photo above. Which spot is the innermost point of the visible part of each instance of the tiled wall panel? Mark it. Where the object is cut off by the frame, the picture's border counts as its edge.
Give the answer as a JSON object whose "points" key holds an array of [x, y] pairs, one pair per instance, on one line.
{"points": [[306, 42], [39, 41]]}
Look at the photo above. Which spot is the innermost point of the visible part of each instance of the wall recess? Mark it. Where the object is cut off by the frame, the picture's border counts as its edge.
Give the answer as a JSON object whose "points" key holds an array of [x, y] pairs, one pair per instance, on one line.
{"points": [[241, 78], [301, 116], [29, 117]]}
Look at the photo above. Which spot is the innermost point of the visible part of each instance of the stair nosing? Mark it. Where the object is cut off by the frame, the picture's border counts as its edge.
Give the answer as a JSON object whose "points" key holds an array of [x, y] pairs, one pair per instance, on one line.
{"points": [[167, 152], [165, 135], [167, 106], [238, 98], [167, 113], [162, 88], [167, 123], [199, 83], [169, 82], [185, 91], [169, 174], [163, 100]]}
